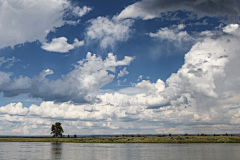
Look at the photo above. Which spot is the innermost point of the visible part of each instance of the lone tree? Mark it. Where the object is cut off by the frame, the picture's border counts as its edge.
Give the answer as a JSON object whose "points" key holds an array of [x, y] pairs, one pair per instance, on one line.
{"points": [[57, 129]]}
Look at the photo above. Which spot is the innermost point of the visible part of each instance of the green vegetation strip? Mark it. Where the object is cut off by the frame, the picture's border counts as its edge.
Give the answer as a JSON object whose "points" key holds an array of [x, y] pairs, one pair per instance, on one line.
{"points": [[173, 139]]}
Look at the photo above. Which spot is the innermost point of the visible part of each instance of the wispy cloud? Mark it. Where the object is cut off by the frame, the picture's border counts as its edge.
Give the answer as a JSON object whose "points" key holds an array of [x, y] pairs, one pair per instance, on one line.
{"points": [[108, 31], [10, 61]]}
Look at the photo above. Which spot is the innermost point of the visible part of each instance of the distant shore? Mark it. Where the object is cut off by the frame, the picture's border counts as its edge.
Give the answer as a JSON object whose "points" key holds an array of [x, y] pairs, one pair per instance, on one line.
{"points": [[167, 139]]}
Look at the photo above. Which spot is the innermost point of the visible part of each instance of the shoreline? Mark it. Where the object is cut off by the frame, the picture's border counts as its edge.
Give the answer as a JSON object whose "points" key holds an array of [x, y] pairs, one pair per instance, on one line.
{"points": [[172, 139]]}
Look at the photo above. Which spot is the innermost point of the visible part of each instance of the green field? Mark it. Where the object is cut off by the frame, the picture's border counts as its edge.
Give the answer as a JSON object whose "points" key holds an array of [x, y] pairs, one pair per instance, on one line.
{"points": [[173, 139]]}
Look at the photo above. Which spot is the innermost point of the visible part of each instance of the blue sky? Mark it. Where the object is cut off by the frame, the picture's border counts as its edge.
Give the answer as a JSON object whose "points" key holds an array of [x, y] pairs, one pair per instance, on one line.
{"points": [[119, 67]]}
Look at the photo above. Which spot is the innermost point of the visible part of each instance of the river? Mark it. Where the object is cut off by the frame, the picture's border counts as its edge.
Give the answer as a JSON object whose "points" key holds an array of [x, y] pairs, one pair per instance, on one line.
{"points": [[114, 151]]}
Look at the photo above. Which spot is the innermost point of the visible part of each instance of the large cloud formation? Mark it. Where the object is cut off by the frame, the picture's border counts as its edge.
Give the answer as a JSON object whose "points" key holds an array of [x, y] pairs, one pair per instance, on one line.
{"points": [[90, 74], [148, 9], [202, 97], [31, 20]]}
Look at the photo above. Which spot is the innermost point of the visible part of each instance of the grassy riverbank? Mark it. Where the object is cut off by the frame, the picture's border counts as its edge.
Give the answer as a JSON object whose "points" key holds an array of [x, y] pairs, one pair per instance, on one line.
{"points": [[173, 139]]}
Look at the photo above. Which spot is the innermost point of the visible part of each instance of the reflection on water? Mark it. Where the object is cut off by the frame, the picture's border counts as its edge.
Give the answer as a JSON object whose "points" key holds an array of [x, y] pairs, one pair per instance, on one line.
{"points": [[107, 151], [56, 150]]}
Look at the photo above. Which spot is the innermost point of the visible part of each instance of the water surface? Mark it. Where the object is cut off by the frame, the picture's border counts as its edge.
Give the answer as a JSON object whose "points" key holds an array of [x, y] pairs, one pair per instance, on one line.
{"points": [[103, 151]]}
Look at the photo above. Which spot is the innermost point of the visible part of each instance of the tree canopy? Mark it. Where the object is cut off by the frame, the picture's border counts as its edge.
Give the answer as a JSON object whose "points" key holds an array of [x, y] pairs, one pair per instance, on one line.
{"points": [[57, 129]]}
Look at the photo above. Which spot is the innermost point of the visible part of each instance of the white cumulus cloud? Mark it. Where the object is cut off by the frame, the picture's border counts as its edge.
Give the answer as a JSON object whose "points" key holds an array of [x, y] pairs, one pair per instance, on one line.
{"points": [[14, 109], [90, 74], [148, 87], [81, 11], [30, 20], [60, 45], [231, 28]]}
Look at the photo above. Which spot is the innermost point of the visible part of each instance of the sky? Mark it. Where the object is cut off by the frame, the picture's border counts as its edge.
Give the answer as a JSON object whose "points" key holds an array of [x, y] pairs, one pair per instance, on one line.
{"points": [[119, 67]]}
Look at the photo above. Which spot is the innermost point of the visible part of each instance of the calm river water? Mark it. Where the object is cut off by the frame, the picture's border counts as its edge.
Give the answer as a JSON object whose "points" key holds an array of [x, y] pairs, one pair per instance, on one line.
{"points": [[108, 151]]}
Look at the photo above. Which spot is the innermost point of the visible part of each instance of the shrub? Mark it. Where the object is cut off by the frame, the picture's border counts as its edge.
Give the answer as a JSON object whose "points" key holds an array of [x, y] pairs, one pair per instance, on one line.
{"points": [[138, 135], [180, 138], [185, 134], [75, 136], [170, 134]]}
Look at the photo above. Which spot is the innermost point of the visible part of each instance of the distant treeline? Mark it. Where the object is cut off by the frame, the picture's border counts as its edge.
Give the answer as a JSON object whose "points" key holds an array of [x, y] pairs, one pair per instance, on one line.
{"points": [[123, 135]]}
